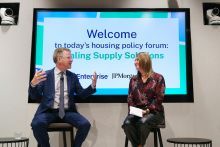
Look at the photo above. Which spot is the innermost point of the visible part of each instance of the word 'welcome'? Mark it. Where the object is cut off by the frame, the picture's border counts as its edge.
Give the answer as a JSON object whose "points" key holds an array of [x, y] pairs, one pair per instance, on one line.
{"points": [[108, 34]]}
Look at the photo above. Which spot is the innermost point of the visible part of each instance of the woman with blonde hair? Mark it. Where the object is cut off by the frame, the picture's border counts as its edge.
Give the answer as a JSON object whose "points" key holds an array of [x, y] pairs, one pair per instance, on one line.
{"points": [[146, 91]]}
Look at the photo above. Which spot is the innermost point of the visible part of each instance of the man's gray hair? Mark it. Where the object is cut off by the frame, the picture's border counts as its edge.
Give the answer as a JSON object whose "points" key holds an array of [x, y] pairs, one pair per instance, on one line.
{"points": [[58, 52]]}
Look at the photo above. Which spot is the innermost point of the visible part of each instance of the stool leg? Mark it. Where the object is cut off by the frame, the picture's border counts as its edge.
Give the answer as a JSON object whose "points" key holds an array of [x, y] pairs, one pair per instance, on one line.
{"points": [[155, 138], [71, 137], [126, 142], [160, 138], [27, 143], [64, 138]]}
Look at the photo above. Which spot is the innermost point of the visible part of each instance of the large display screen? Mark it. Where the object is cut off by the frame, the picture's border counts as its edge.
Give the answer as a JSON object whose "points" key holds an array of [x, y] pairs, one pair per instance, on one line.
{"points": [[108, 40]]}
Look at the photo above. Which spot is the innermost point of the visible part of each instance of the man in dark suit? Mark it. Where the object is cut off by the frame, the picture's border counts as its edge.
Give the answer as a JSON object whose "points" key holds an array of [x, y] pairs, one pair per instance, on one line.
{"points": [[47, 86]]}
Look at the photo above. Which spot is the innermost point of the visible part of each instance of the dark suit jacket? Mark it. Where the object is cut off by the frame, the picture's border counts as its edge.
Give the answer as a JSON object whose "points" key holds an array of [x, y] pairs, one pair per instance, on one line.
{"points": [[46, 91]]}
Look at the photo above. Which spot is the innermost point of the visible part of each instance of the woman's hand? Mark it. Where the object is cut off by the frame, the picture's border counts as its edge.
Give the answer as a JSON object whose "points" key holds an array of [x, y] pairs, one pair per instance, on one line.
{"points": [[145, 112]]}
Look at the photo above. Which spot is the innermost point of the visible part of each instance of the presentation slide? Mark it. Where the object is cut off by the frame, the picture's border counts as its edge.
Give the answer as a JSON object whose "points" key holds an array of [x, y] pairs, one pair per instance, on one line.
{"points": [[107, 43]]}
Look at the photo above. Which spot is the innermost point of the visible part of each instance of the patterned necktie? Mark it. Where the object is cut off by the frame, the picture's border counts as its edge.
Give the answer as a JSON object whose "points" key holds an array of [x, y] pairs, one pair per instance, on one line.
{"points": [[61, 105]]}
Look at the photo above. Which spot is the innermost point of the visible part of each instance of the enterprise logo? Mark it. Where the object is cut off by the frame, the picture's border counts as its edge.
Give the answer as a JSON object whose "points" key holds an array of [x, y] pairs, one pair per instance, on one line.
{"points": [[85, 76]]}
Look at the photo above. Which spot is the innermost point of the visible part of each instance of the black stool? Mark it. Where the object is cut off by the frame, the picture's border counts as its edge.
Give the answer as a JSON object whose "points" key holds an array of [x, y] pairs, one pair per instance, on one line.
{"points": [[202, 142], [12, 142], [62, 127], [157, 135]]}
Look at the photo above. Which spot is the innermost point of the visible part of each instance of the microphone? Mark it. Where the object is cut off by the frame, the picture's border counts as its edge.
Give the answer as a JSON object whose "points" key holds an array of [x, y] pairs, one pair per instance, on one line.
{"points": [[61, 77]]}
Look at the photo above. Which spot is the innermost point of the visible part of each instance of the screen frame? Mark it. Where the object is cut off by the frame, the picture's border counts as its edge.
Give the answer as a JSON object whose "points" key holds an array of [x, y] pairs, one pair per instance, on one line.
{"points": [[176, 98]]}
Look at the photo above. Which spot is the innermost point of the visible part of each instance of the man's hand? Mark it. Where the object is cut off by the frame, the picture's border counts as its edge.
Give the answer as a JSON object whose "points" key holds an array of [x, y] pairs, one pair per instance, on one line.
{"points": [[38, 77], [94, 79]]}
